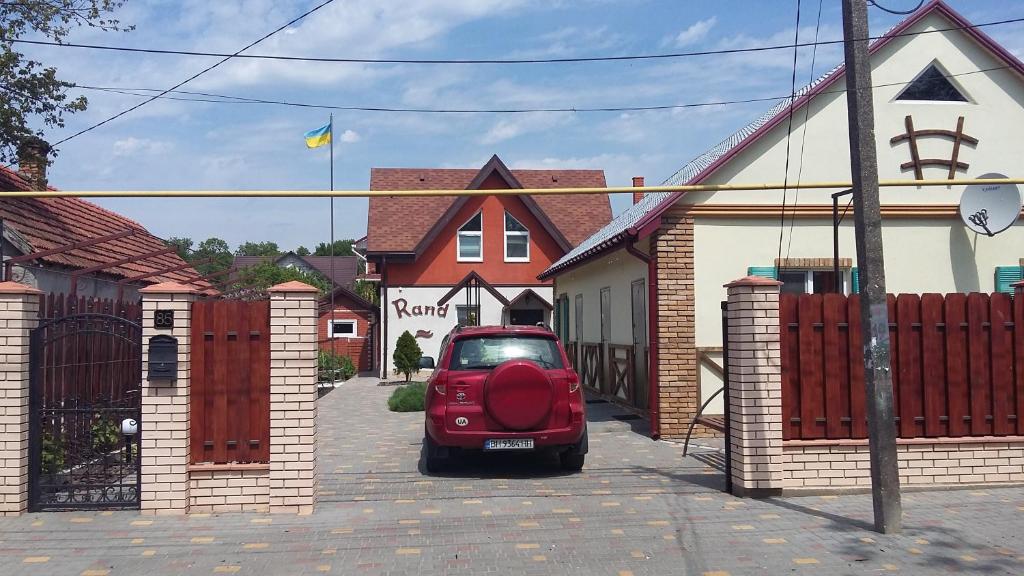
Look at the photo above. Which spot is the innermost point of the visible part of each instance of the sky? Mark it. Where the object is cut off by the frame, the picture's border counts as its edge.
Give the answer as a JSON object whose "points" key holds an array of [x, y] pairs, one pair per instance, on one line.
{"points": [[171, 145]]}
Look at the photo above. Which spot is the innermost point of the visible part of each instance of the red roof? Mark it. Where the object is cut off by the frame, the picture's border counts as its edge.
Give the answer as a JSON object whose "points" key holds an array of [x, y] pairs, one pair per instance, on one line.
{"points": [[400, 224], [47, 223]]}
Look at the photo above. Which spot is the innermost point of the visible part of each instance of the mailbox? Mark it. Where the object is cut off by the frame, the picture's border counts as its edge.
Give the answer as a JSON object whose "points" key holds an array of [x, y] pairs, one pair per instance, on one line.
{"points": [[163, 358]]}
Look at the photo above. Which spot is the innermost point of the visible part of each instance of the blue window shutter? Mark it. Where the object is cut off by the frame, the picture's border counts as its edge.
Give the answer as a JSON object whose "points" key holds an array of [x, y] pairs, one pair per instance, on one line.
{"points": [[854, 281], [764, 271], [1006, 276]]}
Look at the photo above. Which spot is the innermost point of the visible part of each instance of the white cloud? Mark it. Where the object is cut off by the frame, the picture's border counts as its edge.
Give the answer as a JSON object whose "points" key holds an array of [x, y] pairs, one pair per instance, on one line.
{"points": [[508, 128], [128, 147], [696, 32], [350, 136]]}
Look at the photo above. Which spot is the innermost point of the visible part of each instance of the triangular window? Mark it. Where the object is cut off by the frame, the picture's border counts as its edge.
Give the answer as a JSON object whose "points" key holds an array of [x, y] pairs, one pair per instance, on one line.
{"points": [[932, 85]]}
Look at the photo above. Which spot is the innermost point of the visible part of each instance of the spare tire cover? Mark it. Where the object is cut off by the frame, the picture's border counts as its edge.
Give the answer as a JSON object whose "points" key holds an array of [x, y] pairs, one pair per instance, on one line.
{"points": [[518, 394]]}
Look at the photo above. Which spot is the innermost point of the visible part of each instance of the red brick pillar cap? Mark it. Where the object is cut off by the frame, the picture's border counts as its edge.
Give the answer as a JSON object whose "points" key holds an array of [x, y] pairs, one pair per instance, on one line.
{"points": [[293, 286], [757, 281], [169, 288], [16, 288]]}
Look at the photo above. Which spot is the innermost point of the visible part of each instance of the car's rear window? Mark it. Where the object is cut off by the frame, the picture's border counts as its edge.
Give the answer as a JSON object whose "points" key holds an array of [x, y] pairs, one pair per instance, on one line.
{"points": [[487, 352]]}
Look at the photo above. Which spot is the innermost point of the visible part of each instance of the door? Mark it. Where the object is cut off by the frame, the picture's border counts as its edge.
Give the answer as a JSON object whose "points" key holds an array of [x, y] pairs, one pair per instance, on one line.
{"points": [[639, 300]]}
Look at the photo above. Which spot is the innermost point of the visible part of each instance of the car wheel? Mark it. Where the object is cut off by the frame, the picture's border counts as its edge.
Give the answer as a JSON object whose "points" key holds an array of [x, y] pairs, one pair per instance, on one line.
{"points": [[433, 462], [571, 461]]}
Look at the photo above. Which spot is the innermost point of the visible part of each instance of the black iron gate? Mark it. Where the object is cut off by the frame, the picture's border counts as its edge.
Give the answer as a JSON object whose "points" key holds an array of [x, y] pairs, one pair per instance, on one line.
{"points": [[85, 413]]}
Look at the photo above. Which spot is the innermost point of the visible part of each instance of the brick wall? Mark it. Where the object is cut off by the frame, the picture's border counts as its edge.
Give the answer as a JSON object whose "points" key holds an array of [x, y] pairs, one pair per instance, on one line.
{"points": [[356, 348], [810, 465], [19, 308], [677, 350], [166, 420], [293, 397], [228, 489]]}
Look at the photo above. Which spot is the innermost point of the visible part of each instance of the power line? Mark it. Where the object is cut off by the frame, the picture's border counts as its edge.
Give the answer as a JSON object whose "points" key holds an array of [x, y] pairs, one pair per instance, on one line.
{"points": [[211, 98], [196, 75], [897, 12], [803, 135], [789, 128], [496, 61]]}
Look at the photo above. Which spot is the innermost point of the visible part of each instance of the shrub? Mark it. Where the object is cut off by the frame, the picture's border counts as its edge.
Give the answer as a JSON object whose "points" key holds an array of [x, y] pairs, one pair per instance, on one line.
{"points": [[105, 434], [407, 355], [332, 367], [409, 398], [53, 454]]}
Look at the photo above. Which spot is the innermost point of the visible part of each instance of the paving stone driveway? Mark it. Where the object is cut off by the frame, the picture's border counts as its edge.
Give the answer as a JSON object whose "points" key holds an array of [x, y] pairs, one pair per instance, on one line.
{"points": [[637, 508]]}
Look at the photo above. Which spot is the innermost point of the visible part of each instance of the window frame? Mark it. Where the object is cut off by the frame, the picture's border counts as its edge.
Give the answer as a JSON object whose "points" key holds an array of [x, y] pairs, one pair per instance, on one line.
{"points": [[515, 233], [330, 328], [845, 275], [897, 99], [478, 233]]}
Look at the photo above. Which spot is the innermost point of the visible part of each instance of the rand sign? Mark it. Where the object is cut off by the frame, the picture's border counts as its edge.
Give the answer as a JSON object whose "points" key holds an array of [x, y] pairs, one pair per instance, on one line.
{"points": [[402, 309]]}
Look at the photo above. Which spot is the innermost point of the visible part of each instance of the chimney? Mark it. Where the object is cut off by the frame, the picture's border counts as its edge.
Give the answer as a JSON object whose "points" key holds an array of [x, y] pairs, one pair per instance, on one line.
{"points": [[638, 182], [32, 161]]}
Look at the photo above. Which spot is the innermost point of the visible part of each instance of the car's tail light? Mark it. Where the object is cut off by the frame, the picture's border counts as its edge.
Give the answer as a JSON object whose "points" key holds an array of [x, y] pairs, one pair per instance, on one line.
{"points": [[441, 383], [574, 381]]}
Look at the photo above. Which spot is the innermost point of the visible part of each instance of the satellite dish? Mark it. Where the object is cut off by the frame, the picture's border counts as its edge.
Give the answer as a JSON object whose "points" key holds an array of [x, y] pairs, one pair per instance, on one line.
{"points": [[990, 208]]}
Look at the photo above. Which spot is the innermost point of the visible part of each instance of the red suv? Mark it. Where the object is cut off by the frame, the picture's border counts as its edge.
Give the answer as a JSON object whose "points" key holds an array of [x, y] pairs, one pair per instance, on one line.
{"points": [[504, 388]]}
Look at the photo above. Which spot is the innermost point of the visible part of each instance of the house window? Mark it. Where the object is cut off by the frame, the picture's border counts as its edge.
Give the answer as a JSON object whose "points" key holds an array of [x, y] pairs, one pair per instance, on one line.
{"points": [[798, 281], [932, 85], [517, 240], [342, 328], [606, 314], [471, 240], [468, 315]]}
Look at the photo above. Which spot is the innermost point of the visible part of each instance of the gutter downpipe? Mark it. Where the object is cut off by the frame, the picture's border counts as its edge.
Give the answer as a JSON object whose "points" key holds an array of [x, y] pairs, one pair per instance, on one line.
{"points": [[652, 331]]}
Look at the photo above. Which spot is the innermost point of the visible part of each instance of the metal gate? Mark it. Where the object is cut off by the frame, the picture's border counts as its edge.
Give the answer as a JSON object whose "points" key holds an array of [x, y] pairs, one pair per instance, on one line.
{"points": [[84, 413]]}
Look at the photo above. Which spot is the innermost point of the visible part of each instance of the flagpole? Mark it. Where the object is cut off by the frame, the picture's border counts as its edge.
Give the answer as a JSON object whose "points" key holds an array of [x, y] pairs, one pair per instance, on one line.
{"points": [[330, 130]]}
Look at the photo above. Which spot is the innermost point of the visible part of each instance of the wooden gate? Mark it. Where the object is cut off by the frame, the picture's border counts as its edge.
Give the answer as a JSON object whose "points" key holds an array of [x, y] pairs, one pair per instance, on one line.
{"points": [[230, 371], [957, 365]]}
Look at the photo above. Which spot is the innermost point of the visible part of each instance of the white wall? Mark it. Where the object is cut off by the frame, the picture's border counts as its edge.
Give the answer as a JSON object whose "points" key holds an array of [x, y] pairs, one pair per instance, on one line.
{"points": [[617, 271], [490, 314]]}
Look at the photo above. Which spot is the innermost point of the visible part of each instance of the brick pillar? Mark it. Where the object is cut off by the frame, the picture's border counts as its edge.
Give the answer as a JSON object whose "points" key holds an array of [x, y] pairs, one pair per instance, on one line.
{"points": [[677, 345], [165, 424], [19, 314], [755, 386], [293, 397]]}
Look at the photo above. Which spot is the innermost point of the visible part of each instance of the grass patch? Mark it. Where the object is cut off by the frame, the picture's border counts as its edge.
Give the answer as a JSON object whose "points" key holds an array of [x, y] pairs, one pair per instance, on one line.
{"points": [[409, 398]]}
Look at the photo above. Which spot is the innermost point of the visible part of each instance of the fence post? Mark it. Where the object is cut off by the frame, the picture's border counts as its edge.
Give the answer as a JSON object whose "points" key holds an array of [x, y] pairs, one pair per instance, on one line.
{"points": [[19, 314], [293, 397], [755, 387], [166, 421]]}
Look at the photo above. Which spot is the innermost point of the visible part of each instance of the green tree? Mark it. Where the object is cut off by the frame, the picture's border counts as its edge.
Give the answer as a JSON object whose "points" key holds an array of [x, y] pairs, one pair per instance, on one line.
{"points": [[28, 89], [302, 251], [183, 246], [256, 279], [341, 248], [368, 291], [212, 248], [258, 249], [407, 355]]}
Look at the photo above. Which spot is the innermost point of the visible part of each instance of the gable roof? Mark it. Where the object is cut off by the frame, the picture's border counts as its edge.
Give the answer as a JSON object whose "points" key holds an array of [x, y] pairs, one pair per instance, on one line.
{"points": [[408, 224], [346, 268], [47, 223], [644, 214]]}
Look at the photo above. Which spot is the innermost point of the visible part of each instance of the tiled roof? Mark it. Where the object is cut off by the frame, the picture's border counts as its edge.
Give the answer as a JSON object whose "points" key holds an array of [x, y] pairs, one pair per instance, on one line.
{"points": [[345, 267], [398, 224], [48, 223], [704, 165]]}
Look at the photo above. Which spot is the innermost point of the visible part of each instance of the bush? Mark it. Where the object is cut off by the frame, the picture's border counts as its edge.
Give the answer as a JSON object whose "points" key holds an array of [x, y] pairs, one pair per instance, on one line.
{"points": [[53, 454], [409, 398], [332, 367], [407, 355], [105, 434]]}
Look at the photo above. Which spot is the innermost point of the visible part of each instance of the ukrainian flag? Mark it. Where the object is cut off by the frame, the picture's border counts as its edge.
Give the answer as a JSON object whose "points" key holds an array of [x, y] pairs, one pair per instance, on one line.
{"points": [[319, 137]]}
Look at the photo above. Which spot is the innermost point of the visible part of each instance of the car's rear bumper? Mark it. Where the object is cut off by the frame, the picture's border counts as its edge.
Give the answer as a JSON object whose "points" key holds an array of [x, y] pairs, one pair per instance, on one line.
{"points": [[474, 439]]}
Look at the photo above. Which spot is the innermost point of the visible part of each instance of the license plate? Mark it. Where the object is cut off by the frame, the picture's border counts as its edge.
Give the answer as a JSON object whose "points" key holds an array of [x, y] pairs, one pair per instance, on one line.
{"points": [[509, 444]]}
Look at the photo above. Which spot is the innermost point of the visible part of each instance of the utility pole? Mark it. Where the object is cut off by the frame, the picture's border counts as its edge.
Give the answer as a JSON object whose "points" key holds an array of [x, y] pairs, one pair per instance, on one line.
{"points": [[874, 313]]}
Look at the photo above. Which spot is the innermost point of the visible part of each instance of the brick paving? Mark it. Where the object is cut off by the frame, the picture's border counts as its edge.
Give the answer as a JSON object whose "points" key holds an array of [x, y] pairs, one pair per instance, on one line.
{"points": [[637, 508]]}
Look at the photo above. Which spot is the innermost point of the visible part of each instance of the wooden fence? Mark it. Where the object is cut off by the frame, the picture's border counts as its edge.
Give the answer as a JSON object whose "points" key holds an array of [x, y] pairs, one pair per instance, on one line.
{"points": [[59, 305], [957, 365], [230, 387]]}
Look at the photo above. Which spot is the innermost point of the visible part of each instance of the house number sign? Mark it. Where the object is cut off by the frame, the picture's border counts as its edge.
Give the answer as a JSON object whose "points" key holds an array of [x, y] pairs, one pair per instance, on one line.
{"points": [[163, 319]]}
